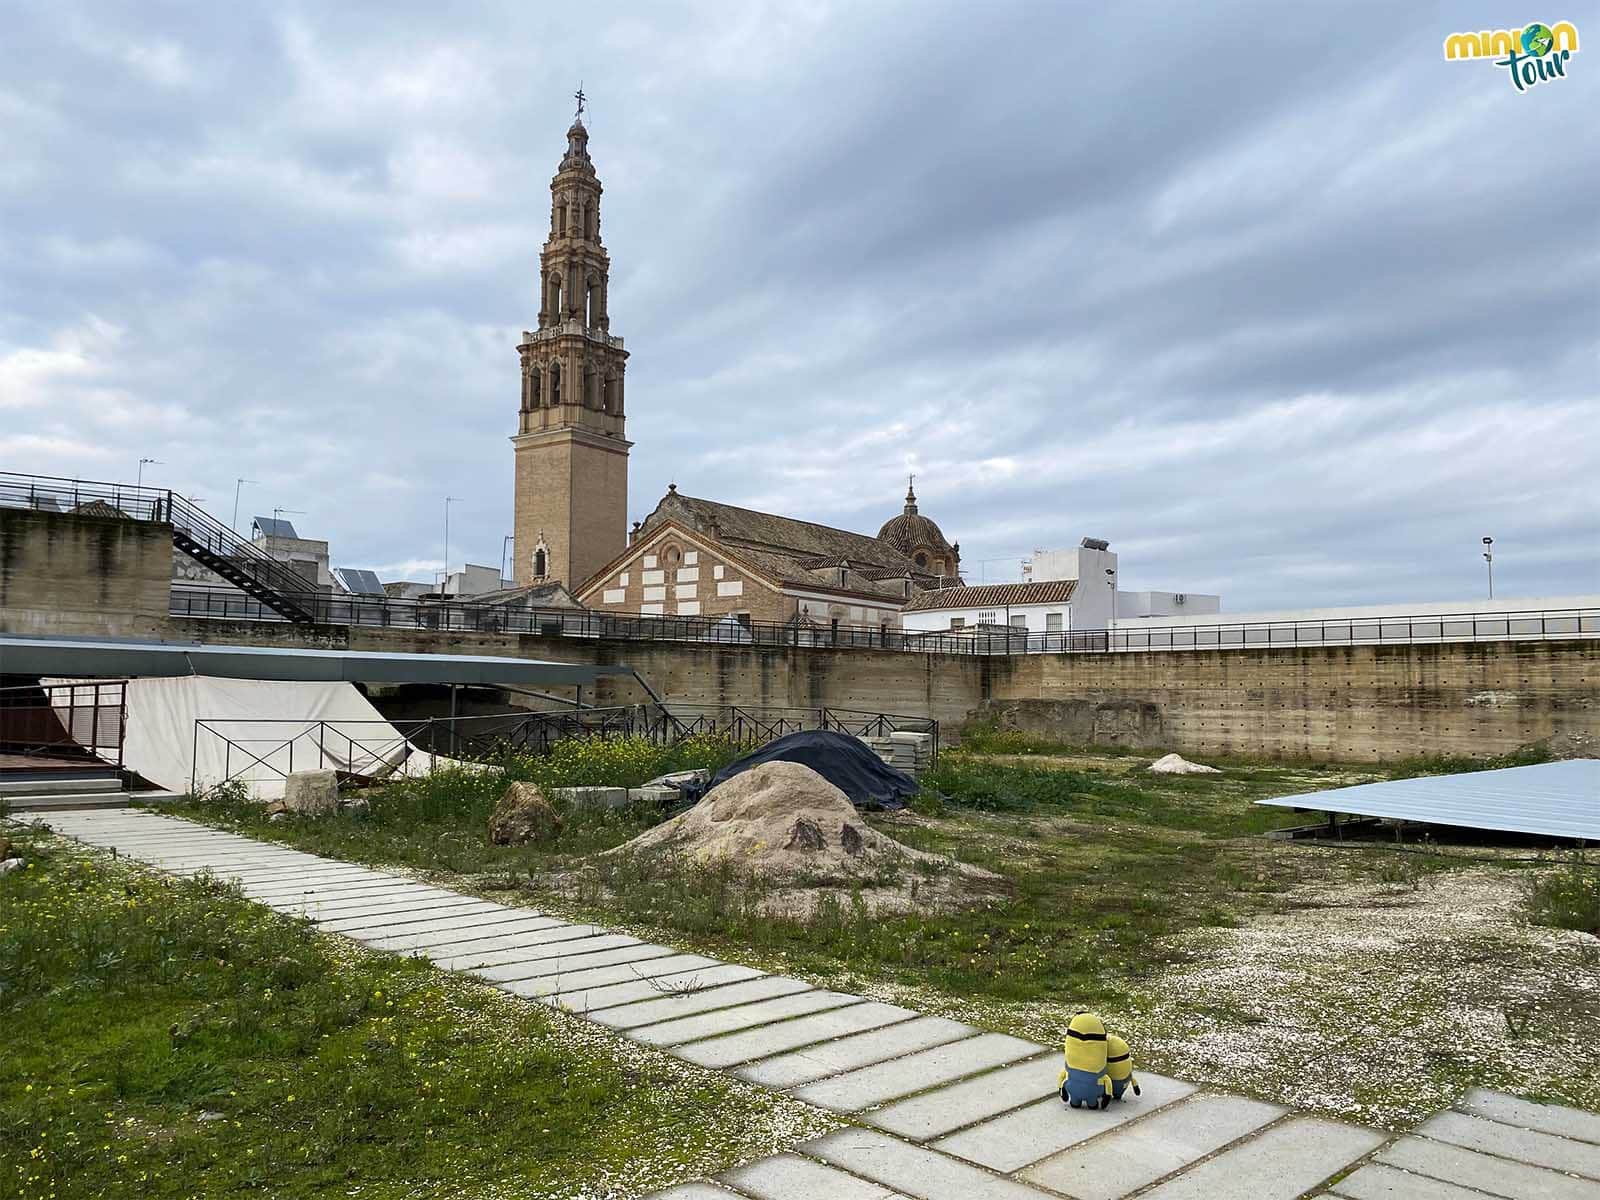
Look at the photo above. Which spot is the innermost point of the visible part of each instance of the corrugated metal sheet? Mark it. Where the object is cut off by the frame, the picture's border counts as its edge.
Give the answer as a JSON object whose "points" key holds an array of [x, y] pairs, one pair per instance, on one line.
{"points": [[1558, 799]]}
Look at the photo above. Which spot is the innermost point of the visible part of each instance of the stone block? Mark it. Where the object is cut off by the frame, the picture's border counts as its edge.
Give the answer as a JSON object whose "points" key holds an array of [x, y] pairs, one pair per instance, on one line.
{"points": [[790, 1177], [311, 793], [654, 797], [592, 797]]}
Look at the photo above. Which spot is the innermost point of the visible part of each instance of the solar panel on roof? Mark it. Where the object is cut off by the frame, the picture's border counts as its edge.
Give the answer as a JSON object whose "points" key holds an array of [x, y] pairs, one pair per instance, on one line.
{"points": [[275, 527], [359, 581], [1557, 799]]}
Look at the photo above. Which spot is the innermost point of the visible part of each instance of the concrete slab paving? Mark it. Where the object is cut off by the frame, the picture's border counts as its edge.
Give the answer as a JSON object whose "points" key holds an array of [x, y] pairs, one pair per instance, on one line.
{"points": [[1378, 1182], [559, 964], [741, 1017], [577, 981], [971, 1100], [480, 912], [914, 1170], [428, 938], [277, 886], [767, 1040], [1512, 1141], [857, 1050], [791, 1177], [1282, 1163], [702, 982], [1546, 1118], [528, 952], [318, 883], [325, 908], [1029, 1134], [693, 1191], [1494, 1176], [868, 1087], [1132, 1156], [668, 1008], [550, 933]]}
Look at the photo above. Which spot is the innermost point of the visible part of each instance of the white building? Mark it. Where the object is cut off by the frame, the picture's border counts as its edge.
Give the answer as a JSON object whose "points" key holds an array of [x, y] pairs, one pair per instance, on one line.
{"points": [[1061, 591]]}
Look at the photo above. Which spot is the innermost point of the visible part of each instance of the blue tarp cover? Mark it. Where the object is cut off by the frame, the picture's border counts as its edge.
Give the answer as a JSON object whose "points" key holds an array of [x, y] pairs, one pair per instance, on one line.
{"points": [[843, 761]]}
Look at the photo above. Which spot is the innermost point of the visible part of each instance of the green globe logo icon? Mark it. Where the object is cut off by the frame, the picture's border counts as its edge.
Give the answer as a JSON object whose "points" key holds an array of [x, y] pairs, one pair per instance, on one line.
{"points": [[1537, 40]]}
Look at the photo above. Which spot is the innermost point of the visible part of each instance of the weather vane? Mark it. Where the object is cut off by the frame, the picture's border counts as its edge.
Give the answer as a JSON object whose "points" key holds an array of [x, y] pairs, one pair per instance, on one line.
{"points": [[579, 97]]}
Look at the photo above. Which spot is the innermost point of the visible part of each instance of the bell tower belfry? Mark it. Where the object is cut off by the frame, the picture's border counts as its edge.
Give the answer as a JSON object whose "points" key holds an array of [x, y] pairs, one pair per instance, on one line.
{"points": [[571, 455]]}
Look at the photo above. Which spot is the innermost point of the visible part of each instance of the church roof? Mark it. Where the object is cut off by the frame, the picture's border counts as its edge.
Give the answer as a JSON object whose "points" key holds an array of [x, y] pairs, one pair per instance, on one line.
{"points": [[995, 595], [786, 535], [911, 530], [794, 551]]}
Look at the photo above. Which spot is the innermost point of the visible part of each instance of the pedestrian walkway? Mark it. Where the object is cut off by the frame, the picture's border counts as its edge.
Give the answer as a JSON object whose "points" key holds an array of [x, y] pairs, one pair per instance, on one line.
{"points": [[945, 1111]]}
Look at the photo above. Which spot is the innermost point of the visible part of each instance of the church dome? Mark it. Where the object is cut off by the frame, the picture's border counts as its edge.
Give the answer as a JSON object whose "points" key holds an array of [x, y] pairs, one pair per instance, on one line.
{"points": [[920, 539]]}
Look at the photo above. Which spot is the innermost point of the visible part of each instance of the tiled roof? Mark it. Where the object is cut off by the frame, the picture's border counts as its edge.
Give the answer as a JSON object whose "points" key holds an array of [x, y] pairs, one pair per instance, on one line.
{"points": [[767, 531], [994, 595]]}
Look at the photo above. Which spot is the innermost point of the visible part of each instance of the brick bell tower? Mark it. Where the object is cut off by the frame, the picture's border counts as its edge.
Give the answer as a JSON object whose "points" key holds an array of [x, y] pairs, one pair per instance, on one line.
{"points": [[571, 456]]}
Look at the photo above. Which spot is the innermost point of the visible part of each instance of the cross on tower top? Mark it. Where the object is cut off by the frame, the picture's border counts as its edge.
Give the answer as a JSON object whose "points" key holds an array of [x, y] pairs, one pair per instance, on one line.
{"points": [[580, 98]]}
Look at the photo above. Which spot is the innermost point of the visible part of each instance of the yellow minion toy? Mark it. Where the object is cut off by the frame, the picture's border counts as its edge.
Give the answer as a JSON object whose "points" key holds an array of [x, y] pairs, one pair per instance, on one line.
{"points": [[1084, 1082], [1119, 1066]]}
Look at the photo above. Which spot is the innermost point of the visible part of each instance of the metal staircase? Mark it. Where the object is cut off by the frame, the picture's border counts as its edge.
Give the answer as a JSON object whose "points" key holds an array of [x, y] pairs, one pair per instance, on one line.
{"points": [[194, 531]]}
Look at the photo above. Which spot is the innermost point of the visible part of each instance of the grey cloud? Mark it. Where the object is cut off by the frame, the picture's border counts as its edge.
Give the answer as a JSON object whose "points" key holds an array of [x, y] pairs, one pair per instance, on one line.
{"points": [[1278, 300]]}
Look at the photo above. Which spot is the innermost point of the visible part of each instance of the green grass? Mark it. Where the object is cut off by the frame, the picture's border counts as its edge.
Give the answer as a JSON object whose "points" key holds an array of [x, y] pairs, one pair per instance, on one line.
{"points": [[1568, 897], [1097, 867], [165, 1037]]}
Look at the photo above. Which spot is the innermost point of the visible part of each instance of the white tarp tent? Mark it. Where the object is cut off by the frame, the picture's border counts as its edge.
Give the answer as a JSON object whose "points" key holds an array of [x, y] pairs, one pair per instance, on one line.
{"points": [[256, 731]]}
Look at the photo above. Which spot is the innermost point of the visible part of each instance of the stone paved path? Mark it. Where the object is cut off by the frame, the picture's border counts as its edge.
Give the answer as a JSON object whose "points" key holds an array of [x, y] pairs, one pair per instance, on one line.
{"points": [[946, 1111]]}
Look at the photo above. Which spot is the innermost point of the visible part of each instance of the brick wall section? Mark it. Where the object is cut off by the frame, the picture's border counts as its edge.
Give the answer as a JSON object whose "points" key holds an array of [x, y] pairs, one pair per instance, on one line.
{"points": [[1356, 704], [75, 574], [674, 576]]}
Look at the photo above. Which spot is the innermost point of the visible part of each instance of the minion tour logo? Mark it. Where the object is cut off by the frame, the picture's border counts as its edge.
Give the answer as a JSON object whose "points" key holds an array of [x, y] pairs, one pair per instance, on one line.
{"points": [[1533, 54]]}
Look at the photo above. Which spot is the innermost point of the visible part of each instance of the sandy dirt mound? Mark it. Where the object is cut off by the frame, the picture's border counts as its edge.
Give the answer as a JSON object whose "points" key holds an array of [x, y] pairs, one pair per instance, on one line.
{"points": [[784, 823], [1174, 764]]}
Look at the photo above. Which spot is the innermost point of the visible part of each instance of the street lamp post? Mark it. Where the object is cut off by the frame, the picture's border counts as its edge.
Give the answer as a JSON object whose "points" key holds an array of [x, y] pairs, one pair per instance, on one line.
{"points": [[448, 501], [238, 484], [1488, 558], [1111, 583]]}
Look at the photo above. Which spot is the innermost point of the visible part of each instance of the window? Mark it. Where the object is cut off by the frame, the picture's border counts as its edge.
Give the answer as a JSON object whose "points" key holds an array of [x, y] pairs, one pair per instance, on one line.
{"points": [[1018, 621], [539, 561], [958, 622], [922, 559], [670, 555], [555, 384], [1052, 622], [987, 618]]}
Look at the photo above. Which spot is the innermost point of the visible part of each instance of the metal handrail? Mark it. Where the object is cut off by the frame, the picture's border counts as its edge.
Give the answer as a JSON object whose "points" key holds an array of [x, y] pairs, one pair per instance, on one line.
{"points": [[466, 616], [275, 745], [51, 493], [93, 718]]}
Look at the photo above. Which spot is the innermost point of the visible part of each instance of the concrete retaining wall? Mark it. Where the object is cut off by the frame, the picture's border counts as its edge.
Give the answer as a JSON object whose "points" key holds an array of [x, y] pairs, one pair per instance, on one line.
{"points": [[80, 574]]}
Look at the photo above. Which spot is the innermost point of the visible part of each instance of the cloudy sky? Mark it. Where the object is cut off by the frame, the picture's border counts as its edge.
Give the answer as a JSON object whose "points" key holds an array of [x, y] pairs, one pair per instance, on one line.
{"points": [[1279, 301]]}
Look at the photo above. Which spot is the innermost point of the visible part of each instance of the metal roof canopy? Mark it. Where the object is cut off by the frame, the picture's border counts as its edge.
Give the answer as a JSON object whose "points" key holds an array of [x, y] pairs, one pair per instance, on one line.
{"points": [[107, 658], [1556, 799]]}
